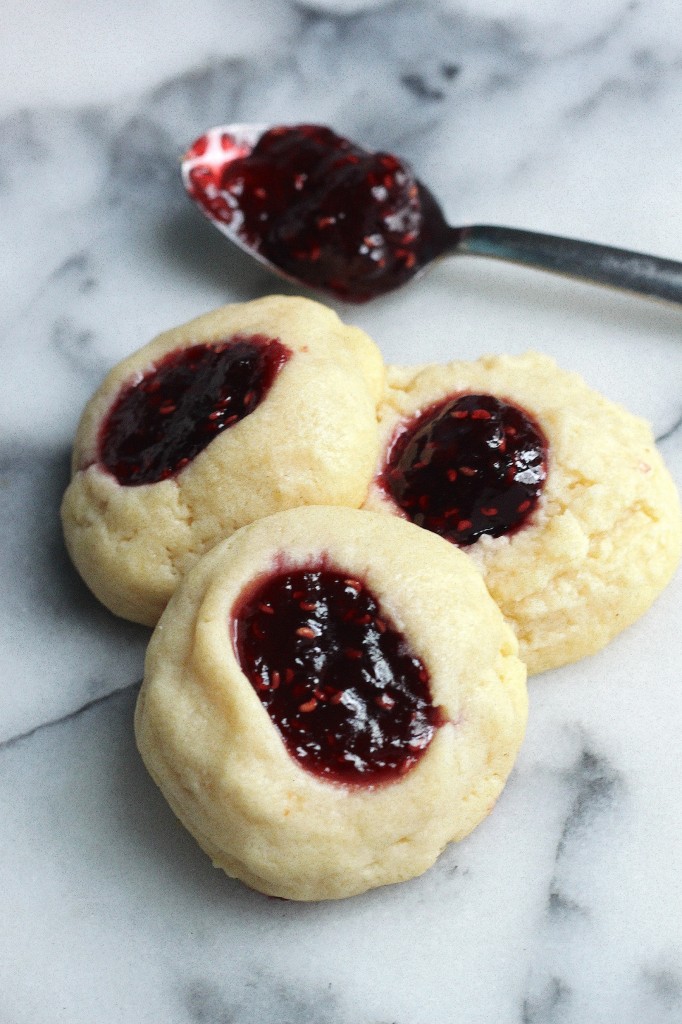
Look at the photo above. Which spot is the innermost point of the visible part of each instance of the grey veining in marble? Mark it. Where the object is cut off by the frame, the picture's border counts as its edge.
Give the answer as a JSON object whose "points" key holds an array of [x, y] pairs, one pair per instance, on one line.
{"points": [[564, 907]]}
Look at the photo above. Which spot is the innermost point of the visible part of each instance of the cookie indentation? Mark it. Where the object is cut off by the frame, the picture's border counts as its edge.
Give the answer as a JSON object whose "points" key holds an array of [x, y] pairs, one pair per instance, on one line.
{"points": [[160, 423], [350, 699], [467, 466]]}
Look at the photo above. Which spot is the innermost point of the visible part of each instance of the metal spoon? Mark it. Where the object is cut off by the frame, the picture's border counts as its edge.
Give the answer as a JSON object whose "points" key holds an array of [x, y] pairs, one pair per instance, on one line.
{"points": [[206, 161]]}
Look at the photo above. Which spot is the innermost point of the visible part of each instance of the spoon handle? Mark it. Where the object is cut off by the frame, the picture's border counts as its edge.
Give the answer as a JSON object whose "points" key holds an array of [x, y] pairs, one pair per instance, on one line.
{"points": [[600, 264]]}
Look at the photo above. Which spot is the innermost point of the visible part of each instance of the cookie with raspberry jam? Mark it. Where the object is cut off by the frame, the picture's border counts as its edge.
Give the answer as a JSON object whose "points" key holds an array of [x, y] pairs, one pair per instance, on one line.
{"points": [[330, 698], [243, 412], [557, 494]]}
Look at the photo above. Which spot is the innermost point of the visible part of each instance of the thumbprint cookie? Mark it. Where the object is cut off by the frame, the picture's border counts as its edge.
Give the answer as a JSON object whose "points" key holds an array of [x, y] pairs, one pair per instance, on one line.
{"points": [[330, 698], [557, 494], [243, 412]]}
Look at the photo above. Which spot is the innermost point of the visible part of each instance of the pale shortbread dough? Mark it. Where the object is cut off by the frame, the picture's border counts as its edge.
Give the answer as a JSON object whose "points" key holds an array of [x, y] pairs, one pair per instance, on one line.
{"points": [[211, 747], [312, 440], [605, 537]]}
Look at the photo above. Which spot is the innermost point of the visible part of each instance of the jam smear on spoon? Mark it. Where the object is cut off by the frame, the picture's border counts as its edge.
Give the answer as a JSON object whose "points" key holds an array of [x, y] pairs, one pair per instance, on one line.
{"points": [[323, 210], [160, 423], [349, 698], [468, 466]]}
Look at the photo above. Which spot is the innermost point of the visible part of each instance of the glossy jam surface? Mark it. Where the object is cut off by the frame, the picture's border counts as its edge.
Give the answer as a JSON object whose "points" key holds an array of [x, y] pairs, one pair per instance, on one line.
{"points": [[468, 466], [323, 210], [350, 700], [160, 423]]}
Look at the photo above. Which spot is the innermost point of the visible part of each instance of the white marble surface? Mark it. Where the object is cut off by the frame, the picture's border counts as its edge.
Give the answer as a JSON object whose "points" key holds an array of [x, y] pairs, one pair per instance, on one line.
{"points": [[564, 907]]}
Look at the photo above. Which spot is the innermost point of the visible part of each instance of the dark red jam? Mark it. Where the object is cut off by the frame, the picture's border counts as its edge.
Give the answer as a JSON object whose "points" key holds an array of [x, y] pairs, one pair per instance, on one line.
{"points": [[468, 466], [350, 700], [160, 423], [325, 211]]}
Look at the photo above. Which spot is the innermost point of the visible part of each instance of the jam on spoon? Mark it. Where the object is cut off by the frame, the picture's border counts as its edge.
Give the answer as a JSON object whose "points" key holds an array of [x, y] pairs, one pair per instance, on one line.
{"points": [[160, 423], [350, 700], [467, 466], [322, 211]]}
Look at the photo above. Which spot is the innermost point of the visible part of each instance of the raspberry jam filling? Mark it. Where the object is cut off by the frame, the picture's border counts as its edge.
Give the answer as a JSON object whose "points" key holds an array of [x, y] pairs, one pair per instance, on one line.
{"points": [[324, 210], [468, 466], [160, 423], [349, 698]]}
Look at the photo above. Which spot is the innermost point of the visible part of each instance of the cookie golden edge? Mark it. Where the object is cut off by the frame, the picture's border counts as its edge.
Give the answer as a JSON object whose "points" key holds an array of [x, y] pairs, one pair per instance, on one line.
{"points": [[312, 440], [606, 536], [221, 764]]}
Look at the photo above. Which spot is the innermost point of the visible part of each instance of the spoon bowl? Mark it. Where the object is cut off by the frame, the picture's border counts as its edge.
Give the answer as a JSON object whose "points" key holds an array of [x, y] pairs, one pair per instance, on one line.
{"points": [[321, 211]]}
